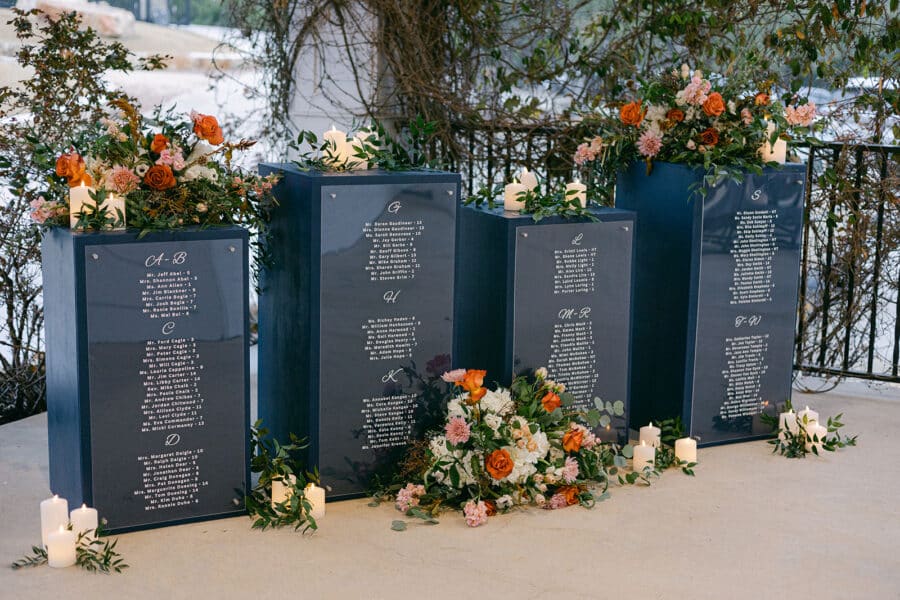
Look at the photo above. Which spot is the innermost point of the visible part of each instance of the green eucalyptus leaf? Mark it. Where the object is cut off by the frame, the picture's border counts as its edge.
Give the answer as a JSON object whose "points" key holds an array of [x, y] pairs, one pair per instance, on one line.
{"points": [[398, 525]]}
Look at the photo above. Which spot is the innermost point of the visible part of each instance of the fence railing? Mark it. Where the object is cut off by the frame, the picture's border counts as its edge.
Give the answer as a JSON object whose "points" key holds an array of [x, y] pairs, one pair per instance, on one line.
{"points": [[848, 321], [849, 317]]}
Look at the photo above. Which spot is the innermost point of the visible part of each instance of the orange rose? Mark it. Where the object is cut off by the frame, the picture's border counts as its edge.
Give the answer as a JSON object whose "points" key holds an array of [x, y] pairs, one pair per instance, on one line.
{"points": [[632, 114], [159, 143], [551, 402], [476, 395], [709, 137], [491, 507], [570, 493], [472, 382], [572, 440], [761, 99], [714, 105], [207, 128], [160, 177], [499, 464], [676, 115], [71, 166]]}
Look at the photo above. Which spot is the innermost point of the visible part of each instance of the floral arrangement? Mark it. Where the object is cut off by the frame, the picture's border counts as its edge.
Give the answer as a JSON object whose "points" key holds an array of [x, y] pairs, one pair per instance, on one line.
{"points": [[685, 117], [171, 172], [512, 447]]}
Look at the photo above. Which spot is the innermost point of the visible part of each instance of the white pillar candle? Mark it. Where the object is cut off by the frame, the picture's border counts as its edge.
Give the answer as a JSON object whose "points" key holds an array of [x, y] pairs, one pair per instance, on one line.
{"points": [[528, 178], [776, 152], [54, 514], [644, 456], [511, 196], [650, 435], [787, 420], [115, 205], [281, 491], [577, 191], [686, 450], [339, 148], [61, 548], [807, 416], [84, 520], [78, 197], [316, 497], [815, 435]]}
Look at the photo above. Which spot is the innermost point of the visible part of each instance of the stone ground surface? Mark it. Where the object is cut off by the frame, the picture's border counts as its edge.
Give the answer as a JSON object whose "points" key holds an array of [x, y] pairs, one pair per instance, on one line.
{"points": [[749, 525]]}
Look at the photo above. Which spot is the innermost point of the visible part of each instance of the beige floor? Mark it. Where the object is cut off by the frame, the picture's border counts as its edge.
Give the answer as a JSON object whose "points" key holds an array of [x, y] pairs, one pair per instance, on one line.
{"points": [[750, 525]]}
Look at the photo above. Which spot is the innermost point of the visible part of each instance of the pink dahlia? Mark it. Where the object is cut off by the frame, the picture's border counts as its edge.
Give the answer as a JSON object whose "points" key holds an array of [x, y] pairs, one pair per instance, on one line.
{"points": [[802, 115], [557, 501], [41, 210], [695, 93], [121, 180], [583, 154], [570, 470], [172, 158], [454, 376], [408, 496], [649, 144], [458, 430], [476, 514]]}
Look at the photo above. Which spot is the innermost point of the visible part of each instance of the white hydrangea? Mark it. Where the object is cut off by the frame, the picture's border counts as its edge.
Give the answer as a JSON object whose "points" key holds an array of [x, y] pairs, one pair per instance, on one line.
{"points": [[493, 421], [200, 172], [438, 447], [200, 149], [456, 408], [464, 466], [498, 402]]}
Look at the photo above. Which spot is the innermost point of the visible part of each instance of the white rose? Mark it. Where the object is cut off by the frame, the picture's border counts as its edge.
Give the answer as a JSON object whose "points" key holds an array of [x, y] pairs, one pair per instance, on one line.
{"points": [[541, 373], [685, 71]]}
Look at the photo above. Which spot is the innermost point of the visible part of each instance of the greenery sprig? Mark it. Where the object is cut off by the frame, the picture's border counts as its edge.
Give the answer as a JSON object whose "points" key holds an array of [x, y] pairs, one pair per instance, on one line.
{"points": [[797, 444], [373, 148], [273, 461], [91, 554], [95, 217], [538, 204]]}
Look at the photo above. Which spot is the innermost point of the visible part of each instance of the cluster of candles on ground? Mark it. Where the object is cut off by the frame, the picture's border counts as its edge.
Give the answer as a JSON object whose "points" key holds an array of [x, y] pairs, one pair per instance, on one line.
{"points": [[650, 440], [56, 536], [80, 196], [791, 421], [526, 181], [315, 495]]}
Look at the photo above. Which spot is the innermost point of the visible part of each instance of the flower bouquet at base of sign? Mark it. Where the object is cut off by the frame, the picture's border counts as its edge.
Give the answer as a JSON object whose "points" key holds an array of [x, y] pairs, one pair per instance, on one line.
{"points": [[510, 447], [153, 173], [726, 126]]}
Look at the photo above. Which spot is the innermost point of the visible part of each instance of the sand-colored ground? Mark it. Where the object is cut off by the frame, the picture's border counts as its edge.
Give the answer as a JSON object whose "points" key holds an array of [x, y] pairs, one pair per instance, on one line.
{"points": [[749, 525]]}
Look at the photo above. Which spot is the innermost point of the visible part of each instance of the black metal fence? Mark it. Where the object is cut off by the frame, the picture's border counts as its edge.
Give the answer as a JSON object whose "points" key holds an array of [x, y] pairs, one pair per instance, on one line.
{"points": [[848, 316]]}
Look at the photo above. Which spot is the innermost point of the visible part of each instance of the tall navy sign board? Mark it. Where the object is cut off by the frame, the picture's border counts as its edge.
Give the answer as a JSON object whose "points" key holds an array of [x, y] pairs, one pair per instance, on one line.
{"points": [[147, 373], [556, 294], [356, 314], [715, 297]]}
